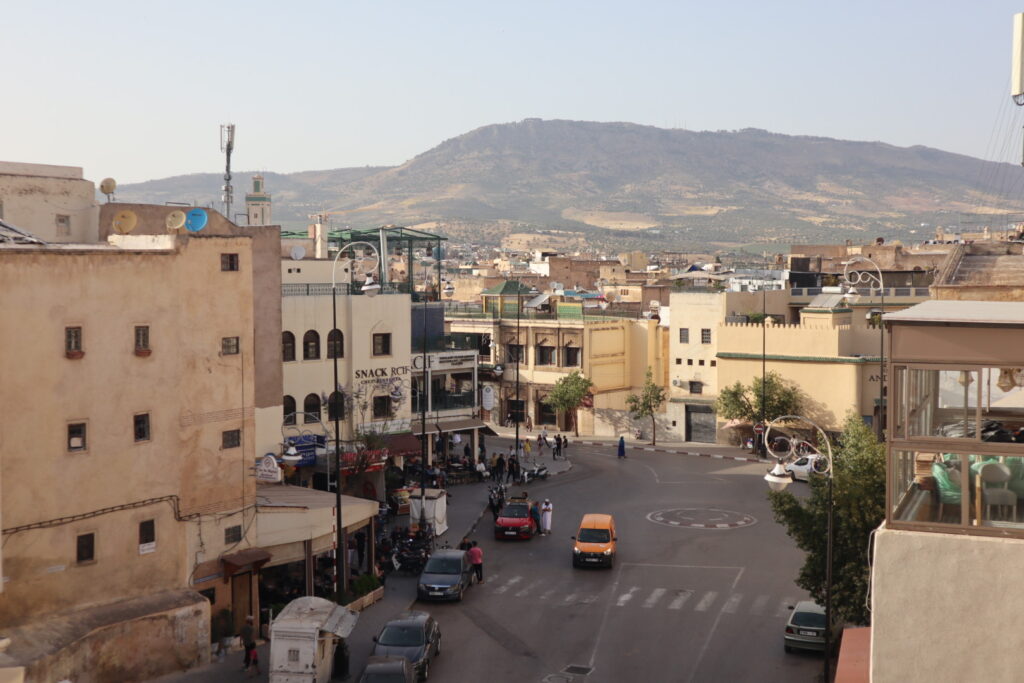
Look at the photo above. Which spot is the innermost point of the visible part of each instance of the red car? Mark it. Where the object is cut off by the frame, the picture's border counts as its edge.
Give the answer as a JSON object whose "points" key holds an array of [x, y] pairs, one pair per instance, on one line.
{"points": [[514, 520]]}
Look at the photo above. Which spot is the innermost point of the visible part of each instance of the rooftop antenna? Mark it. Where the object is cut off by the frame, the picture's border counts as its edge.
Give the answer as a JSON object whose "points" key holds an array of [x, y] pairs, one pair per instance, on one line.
{"points": [[227, 145]]}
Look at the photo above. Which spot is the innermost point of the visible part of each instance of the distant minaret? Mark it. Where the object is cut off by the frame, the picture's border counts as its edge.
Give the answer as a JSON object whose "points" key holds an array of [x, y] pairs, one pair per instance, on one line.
{"points": [[257, 203]]}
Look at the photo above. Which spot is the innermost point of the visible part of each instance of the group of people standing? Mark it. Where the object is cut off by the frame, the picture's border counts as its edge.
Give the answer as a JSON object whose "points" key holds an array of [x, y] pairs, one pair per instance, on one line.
{"points": [[558, 445], [541, 515], [502, 467]]}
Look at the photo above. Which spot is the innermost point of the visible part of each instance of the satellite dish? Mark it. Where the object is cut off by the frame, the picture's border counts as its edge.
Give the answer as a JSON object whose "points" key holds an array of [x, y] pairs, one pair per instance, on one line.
{"points": [[175, 220], [195, 220], [298, 252], [125, 221], [107, 187]]}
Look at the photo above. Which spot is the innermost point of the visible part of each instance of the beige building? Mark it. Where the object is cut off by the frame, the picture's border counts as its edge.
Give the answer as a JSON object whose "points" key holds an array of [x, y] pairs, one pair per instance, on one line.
{"points": [[54, 203], [129, 473], [953, 541], [613, 352]]}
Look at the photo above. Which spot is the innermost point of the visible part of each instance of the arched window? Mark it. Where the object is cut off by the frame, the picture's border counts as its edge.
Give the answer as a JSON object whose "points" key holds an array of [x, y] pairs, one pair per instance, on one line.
{"points": [[289, 409], [311, 346], [335, 344], [287, 346], [312, 406], [335, 407]]}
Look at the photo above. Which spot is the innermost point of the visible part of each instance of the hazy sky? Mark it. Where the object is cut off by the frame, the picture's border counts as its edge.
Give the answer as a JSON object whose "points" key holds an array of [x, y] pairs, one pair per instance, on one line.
{"points": [[137, 90]]}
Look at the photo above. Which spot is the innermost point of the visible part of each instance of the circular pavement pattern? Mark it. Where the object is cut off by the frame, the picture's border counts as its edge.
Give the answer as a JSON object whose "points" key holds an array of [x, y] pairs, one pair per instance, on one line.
{"points": [[701, 518]]}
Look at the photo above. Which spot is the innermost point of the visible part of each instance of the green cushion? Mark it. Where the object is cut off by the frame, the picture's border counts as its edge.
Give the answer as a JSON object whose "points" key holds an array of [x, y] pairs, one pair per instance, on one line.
{"points": [[949, 490]]}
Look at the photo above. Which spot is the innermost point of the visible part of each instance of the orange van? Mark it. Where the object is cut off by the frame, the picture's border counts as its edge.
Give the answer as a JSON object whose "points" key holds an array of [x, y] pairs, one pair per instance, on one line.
{"points": [[595, 542]]}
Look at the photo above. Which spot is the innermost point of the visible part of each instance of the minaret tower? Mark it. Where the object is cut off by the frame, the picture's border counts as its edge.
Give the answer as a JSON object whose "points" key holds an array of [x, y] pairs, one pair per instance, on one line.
{"points": [[257, 203]]}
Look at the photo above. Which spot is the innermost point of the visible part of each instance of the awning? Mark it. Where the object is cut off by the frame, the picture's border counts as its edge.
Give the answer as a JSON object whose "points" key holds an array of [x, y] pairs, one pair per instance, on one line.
{"points": [[402, 444], [249, 559], [434, 426]]}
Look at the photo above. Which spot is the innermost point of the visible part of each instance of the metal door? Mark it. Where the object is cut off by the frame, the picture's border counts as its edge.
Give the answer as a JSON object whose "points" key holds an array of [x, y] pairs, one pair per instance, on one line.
{"points": [[700, 424]]}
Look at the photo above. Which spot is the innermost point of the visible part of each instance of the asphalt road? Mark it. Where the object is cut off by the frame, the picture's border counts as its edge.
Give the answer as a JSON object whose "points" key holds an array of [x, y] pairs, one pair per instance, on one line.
{"points": [[683, 602]]}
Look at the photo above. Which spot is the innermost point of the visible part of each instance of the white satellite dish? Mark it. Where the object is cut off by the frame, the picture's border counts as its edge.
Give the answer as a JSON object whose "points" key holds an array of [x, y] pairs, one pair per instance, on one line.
{"points": [[298, 252], [125, 221], [175, 220], [107, 187]]}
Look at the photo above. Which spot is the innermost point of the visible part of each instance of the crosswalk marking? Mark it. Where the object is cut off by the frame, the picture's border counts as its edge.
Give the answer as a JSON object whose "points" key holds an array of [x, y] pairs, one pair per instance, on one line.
{"points": [[680, 600], [732, 604], [654, 597], [759, 604], [571, 597], [511, 582], [528, 588], [547, 595], [626, 597], [705, 602]]}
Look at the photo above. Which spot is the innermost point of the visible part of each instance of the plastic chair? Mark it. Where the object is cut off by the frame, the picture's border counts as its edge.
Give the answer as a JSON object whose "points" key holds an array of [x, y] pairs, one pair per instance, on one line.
{"points": [[994, 477], [947, 486]]}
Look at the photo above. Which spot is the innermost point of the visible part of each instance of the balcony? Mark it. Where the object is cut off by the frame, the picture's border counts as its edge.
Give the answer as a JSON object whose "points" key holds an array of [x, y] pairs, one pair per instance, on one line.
{"points": [[447, 401], [344, 288], [449, 342]]}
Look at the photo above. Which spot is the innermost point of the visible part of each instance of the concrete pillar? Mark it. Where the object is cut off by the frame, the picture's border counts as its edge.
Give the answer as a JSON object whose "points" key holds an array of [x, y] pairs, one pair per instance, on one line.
{"points": [[476, 446]]}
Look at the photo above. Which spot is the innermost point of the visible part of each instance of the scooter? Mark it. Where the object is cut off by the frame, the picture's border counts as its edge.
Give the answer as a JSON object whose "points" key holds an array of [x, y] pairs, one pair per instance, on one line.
{"points": [[534, 472]]}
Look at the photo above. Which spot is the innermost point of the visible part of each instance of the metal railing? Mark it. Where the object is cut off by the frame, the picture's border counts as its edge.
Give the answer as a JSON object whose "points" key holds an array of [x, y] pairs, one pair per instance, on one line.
{"points": [[446, 401], [448, 342], [868, 291], [344, 288]]}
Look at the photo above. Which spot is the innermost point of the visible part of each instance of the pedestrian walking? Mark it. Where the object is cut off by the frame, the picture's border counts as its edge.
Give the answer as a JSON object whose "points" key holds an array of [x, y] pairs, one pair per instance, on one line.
{"points": [[513, 468], [476, 558], [545, 516], [248, 637], [528, 448], [565, 447], [535, 516], [540, 445], [499, 468], [557, 450], [622, 447]]}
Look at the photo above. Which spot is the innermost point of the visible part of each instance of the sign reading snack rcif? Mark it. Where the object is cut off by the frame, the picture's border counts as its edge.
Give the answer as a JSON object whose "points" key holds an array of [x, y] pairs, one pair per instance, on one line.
{"points": [[268, 470]]}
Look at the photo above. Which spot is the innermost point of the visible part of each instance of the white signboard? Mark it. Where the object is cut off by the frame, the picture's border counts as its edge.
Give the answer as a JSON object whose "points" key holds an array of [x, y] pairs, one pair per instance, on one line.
{"points": [[487, 399], [267, 470]]}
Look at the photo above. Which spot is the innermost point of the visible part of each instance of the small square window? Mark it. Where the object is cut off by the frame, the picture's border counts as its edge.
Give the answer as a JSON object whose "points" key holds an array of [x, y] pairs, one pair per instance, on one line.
{"points": [[571, 356], [85, 548], [705, 336], [684, 335], [382, 344], [689, 361], [673, 423], [679, 361], [696, 387], [229, 262], [714, 363], [233, 534], [76, 436], [381, 407], [147, 537], [142, 427], [231, 439], [293, 655], [229, 346], [73, 342], [142, 337], [700, 362]]}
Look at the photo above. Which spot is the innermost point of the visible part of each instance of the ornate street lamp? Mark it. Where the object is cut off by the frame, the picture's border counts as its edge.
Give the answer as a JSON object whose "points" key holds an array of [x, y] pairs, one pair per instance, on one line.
{"points": [[852, 278]]}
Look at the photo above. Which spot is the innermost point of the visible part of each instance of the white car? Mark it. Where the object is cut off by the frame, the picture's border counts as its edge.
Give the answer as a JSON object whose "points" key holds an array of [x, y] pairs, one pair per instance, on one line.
{"points": [[801, 468]]}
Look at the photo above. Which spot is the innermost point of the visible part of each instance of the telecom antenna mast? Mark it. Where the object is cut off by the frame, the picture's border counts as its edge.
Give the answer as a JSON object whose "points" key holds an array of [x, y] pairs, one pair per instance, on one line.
{"points": [[227, 145]]}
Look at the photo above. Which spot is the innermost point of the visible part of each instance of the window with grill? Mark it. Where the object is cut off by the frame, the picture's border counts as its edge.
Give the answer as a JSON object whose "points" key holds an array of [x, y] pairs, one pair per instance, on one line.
{"points": [[381, 407], [287, 346], [147, 536], [679, 361], [229, 346], [571, 356], [228, 262], [289, 410], [233, 534], [142, 337], [705, 336], [76, 436], [514, 353], [85, 548], [311, 406], [73, 341], [231, 438], [696, 387], [141, 427], [545, 355], [714, 363], [311, 345], [335, 344], [684, 335], [382, 344]]}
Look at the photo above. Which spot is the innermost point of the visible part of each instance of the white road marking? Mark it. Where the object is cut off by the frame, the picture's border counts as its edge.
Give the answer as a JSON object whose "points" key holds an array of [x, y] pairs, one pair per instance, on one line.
{"points": [[627, 596], [529, 588], [547, 595], [570, 598], [711, 633], [733, 603], [759, 604], [511, 582], [653, 599], [706, 601], [783, 609], [680, 600]]}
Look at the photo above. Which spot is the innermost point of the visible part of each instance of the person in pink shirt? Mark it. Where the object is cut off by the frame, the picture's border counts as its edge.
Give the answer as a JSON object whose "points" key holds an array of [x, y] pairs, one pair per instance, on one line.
{"points": [[476, 558]]}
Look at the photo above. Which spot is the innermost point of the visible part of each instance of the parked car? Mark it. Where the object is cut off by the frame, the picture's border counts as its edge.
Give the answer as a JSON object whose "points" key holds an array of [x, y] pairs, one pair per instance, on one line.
{"points": [[514, 520], [802, 468], [446, 576], [595, 542], [388, 670], [805, 628], [412, 635]]}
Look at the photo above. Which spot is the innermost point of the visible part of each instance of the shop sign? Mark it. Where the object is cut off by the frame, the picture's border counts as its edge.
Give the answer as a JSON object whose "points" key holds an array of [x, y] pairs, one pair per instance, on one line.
{"points": [[487, 397], [267, 470], [382, 373], [305, 446]]}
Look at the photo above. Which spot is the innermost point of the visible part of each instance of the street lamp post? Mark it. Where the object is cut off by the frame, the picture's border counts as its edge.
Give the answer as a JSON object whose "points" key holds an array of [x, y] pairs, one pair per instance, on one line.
{"points": [[369, 288], [778, 479], [853, 278]]}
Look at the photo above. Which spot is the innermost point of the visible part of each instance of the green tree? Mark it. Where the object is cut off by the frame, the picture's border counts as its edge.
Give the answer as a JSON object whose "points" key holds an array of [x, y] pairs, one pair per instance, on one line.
{"points": [[858, 494], [568, 394], [648, 402], [743, 402]]}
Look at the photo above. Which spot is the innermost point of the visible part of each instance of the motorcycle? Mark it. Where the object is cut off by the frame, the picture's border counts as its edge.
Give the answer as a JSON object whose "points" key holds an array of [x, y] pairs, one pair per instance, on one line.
{"points": [[410, 559], [534, 472], [496, 497]]}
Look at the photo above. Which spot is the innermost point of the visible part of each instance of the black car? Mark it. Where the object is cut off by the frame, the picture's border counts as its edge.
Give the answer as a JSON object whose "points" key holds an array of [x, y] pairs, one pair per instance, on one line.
{"points": [[388, 670], [446, 576], [413, 635]]}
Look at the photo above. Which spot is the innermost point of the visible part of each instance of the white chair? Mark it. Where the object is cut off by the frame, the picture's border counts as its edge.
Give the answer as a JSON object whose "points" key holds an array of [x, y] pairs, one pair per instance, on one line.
{"points": [[994, 477]]}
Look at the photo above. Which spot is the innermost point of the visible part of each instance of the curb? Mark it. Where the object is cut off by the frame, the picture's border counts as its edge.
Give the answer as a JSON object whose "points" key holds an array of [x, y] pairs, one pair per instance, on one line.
{"points": [[717, 456]]}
